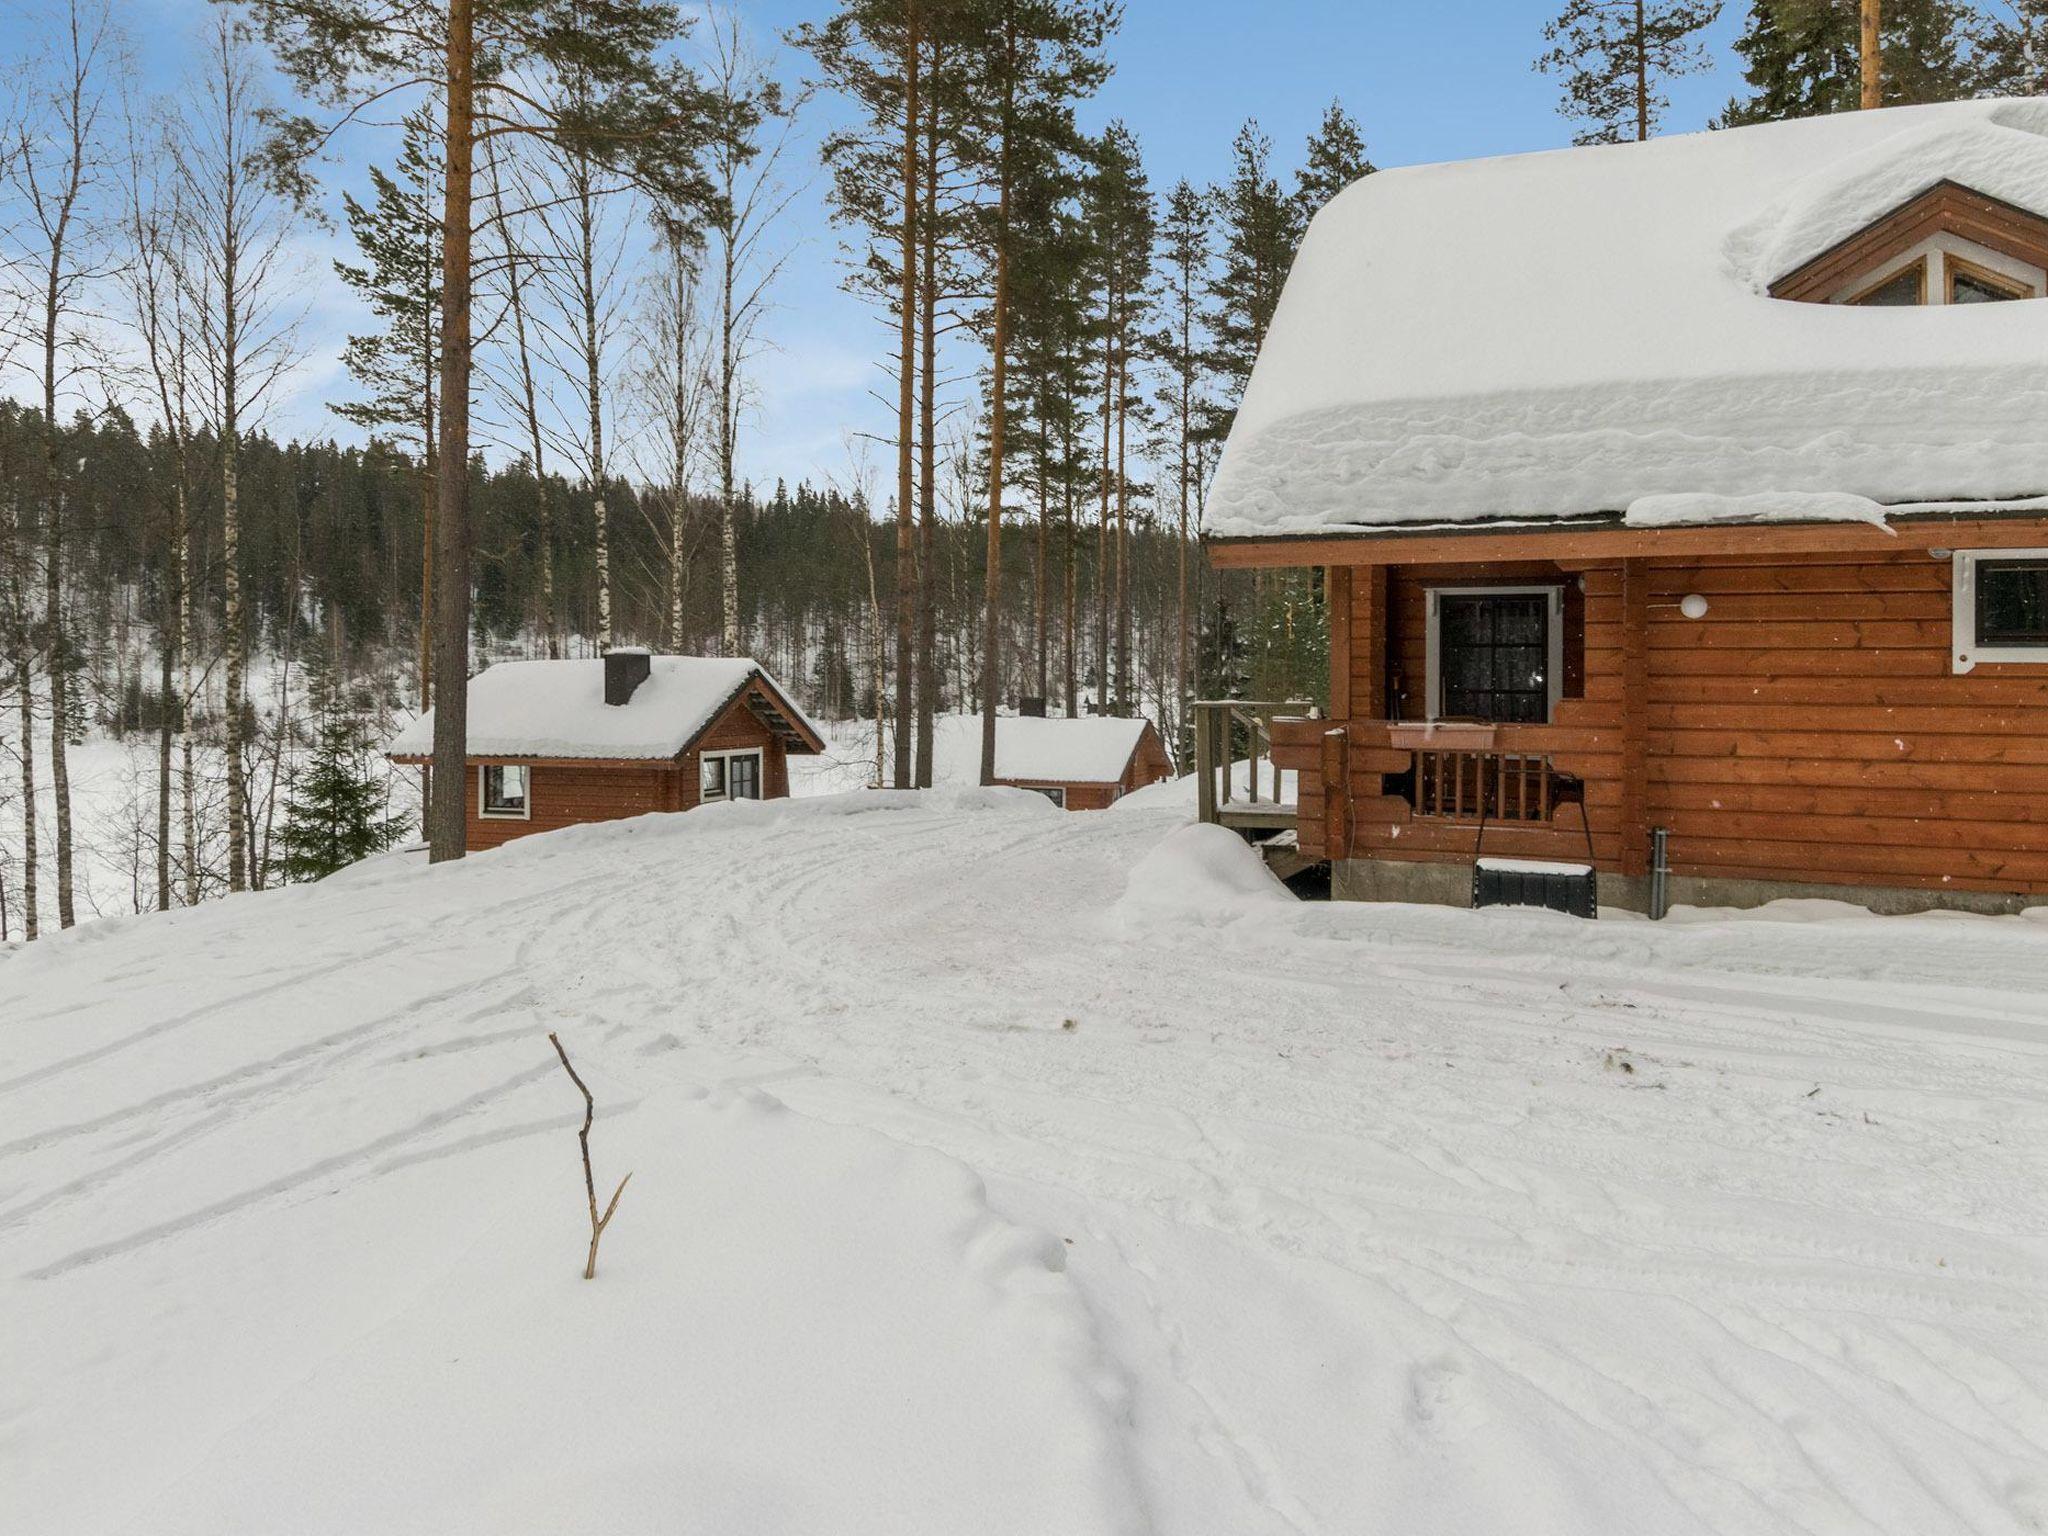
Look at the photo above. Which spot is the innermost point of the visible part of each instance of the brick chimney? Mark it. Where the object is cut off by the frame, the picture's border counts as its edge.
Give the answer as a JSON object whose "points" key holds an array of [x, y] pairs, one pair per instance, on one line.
{"points": [[625, 668]]}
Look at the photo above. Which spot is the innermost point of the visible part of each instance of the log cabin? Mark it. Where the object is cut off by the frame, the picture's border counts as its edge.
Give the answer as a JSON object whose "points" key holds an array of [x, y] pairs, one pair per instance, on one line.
{"points": [[559, 743], [1685, 499], [1086, 763]]}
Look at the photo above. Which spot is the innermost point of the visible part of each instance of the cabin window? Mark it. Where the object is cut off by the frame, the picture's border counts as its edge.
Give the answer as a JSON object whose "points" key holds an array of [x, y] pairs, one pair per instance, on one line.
{"points": [[502, 790], [1053, 792], [1901, 288], [1495, 653], [1946, 270], [2001, 606], [1969, 283], [729, 775]]}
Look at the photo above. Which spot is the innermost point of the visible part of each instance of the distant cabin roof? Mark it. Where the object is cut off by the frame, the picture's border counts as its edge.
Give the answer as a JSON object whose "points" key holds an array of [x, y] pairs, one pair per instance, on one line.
{"points": [[1565, 333], [557, 709], [1089, 749]]}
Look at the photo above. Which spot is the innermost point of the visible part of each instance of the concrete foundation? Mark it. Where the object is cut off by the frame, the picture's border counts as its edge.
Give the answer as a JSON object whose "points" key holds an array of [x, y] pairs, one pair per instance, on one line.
{"points": [[1450, 885]]}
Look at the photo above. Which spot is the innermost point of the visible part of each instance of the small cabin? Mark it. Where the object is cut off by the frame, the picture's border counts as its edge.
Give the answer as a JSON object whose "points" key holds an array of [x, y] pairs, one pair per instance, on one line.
{"points": [[1679, 509], [559, 743], [1083, 764]]}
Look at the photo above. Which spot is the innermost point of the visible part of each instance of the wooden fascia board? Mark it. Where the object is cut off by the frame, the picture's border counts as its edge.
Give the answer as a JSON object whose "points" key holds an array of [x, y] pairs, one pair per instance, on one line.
{"points": [[1567, 542], [1955, 209], [423, 760]]}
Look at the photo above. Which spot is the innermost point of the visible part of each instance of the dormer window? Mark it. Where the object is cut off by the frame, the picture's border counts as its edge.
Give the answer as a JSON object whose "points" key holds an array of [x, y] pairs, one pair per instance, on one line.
{"points": [[1948, 245], [1969, 283], [1908, 286], [1943, 269]]}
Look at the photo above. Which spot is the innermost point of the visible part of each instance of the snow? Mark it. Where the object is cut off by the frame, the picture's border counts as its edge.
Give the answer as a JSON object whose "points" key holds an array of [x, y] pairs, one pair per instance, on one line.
{"points": [[1533, 867], [972, 1192], [1087, 749], [1565, 333], [557, 708], [1671, 511], [1090, 749]]}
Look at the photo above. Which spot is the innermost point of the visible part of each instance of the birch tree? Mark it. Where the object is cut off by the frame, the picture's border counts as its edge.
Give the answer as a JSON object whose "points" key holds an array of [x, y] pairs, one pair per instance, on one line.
{"points": [[481, 59], [752, 122], [57, 173], [156, 235], [242, 284]]}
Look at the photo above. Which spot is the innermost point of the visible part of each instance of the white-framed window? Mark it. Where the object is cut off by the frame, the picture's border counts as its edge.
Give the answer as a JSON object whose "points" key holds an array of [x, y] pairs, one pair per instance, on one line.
{"points": [[504, 792], [1495, 653], [734, 775], [1943, 269], [2001, 606]]}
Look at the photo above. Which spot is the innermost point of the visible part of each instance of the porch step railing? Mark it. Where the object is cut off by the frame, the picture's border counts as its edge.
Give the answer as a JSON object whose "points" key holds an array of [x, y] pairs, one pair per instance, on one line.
{"points": [[1462, 784], [1225, 731]]}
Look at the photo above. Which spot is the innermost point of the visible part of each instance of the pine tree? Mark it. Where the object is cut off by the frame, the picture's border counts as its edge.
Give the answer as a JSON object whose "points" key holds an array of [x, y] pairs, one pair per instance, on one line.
{"points": [[1177, 347], [481, 60], [1336, 158], [2011, 40], [1117, 209], [399, 236], [337, 811], [1801, 57], [1614, 55], [1256, 227], [1034, 59]]}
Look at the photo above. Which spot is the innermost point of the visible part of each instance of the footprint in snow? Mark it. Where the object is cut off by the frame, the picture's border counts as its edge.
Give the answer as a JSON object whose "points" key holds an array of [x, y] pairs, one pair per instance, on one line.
{"points": [[1440, 1400]]}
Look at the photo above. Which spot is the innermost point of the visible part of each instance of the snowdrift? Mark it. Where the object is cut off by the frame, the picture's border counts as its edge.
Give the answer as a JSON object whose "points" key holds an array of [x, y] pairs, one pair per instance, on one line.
{"points": [[978, 1188]]}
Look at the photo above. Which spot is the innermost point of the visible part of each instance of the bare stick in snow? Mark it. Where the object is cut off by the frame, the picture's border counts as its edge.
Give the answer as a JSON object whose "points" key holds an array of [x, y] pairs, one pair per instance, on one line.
{"points": [[597, 1223]]}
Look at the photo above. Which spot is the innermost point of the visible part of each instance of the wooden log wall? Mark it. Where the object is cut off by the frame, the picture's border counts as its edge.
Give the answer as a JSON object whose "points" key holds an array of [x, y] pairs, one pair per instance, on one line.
{"points": [[1809, 728], [568, 794]]}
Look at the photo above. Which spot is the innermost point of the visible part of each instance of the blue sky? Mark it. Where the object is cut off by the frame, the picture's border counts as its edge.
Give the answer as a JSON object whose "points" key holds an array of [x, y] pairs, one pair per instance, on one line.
{"points": [[1427, 81]]}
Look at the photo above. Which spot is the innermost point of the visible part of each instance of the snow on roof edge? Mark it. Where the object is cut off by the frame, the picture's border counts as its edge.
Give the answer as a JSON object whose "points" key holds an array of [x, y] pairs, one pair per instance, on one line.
{"points": [[556, 709]]}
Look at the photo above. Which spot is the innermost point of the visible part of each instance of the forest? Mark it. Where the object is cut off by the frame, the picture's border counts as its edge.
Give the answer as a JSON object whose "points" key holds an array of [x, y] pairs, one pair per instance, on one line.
{"points": [[571, 240]]}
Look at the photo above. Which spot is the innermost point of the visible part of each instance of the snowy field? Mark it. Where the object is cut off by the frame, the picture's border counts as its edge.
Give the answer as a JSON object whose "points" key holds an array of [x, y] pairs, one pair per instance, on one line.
{"points": [[1000, 1170]]}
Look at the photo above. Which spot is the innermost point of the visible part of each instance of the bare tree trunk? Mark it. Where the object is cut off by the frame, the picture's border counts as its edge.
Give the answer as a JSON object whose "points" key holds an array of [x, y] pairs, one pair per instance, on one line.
{"points": [[1102, 572], [1872, 52], [170, 722], [234, 639], [593, 386], [1123, 545], [681, 422], [928, 493], [424, 664], [24, 674], [544, 527], [728, 407], [447, 830], [1072, 616], [1180, 663], [1642, 74], [992, 565], [906, 554], [878, 682], [188, 814], [1041, 573]]}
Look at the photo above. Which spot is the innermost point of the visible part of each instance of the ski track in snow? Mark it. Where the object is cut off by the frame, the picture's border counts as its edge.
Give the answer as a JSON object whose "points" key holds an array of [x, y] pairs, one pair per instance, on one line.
{"points": [[1390, 1218]]}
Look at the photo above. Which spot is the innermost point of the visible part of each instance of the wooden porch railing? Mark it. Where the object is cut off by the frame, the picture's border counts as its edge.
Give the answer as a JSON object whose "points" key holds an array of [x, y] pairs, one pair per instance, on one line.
{"points": [[1219, 725], [1459, 784]]}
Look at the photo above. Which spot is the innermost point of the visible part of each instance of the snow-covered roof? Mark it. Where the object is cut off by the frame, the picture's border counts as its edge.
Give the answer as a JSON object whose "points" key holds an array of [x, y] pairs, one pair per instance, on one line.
{"points": [[557, 709], [1563, 333], [1088, 749]]}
